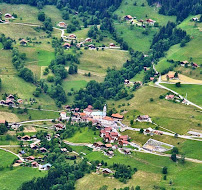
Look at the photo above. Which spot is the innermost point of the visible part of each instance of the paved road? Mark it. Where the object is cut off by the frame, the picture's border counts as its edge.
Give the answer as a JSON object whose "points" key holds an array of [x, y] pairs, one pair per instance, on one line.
{"points": [[21, 158], [77, 144], [33, 121]]}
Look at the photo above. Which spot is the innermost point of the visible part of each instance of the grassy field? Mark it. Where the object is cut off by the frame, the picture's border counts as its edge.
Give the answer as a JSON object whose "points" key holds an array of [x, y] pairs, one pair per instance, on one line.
{"points": [[138, 77], [192, 50], [99, 61], [177, 117], [142, 12], [12, 179], [179, 174], [85, 136], [193, 92]]}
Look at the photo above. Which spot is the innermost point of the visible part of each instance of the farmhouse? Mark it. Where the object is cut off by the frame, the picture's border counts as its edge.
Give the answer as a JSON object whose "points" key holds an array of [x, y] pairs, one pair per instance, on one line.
{"points": [[170, 76], [98, 144], [170, 97], [150, 21], [43, 149], [117, 116], [30, 158], [108, 138], [34, 164], [72, 36], [107, 120], [195, 19], [8, 15], [63, 115], [2, 121], [143, 118], [123, 143], [111, 45], [108, 145], [23, 42], [88, 40], [194, 65], [124, 138], [128, 17], [92, 46], [110, 153], [62, 25], [45, 167], [148, 131], [26, 138], [67, 45], [107, 171], [59, 127]]}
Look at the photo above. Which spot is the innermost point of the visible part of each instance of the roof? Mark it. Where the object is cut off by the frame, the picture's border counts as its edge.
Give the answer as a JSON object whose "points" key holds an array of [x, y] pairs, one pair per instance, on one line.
{"points": [[23, 41], [2, 121], [129, 16], [107, 170], [99, 143], [67, 44], [88, 110], [31, 157], [144, 116], [108, 118], [124, 142], [63, 112], [117, 116], [108, 145], [82, 114], [114, 134], [124, 137], [170, 96], [26, 136], [34, 163], [47, 165], [108, 129]]}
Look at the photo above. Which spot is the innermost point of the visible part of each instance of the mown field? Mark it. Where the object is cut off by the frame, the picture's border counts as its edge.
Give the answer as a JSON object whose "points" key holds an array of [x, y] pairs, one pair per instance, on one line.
{"points": [[174, 116], [134, 37], [12, 179], [193, 92], [148, 166], [192, 50]]}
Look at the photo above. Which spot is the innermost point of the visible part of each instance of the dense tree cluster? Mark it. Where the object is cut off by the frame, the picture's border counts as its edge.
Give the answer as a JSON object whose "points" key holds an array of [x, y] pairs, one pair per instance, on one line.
{"points": [[180, 8], [3, 128], [167, 36], [6, 42]]}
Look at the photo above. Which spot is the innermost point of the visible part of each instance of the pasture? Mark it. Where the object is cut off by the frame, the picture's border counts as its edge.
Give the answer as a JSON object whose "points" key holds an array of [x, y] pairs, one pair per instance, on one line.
{"points": [[192, 91]]}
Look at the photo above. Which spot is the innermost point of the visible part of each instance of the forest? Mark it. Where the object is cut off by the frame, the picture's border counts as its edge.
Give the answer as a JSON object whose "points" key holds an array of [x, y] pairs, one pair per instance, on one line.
{"points": [[180, 8]]}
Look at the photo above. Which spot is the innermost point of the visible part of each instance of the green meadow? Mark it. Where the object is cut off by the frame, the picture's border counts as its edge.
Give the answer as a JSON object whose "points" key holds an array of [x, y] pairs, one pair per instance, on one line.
{"points": [[192, 91]]}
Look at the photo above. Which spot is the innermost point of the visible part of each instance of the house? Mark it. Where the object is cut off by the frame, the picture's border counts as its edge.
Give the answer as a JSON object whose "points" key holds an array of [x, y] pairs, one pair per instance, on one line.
{"points": [[114, 135], [26, 138], [67, 107], [67, 45], [170, 97], [43, 150], [23, 42], [8, 16], [195, 19], [123, 138], [117, 116], [76, 109], [108, 145], [111, 45], [127, 151], [22, 152], [34, 164], [128, 17], [59, 127], [15, 126], [2, 121], [126, 81], [63, 150], [170, 76], [88, 110], [184, 62], [107, 171], [92, 46], [45, 167], [33, 146], [194, 65], [110, 153], [123, 143], [72, 36], [88, 40], [48, 137], [108, 138], [150, 21], [63, 115], [62, 25], [30, 158], [151, 78], [108, 129], [143, 118], [148, 131], [107, 120], [19, 161], [98, 144]]}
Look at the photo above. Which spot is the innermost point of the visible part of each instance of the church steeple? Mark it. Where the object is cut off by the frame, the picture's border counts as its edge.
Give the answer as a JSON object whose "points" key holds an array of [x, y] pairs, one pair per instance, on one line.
{"points": [[105, 110]]}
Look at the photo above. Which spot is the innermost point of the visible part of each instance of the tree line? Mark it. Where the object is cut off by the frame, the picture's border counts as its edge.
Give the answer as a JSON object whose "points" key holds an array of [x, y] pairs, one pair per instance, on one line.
{"points": [[180, 8]]}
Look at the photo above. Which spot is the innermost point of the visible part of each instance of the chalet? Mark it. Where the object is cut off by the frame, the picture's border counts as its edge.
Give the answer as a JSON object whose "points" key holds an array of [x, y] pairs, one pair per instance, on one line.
{"points": [[148, 131], [170, 76], [117, 116], [45, 167], [72, 36], [59, 127], [30, 158], [63, 115], [184, 62], [150, 21], [88, 110], [108, 138], [151, 78], [63, 150], [23, 42], [92, 46], [26, 138], [108, 145], [107, 171], [111, 45], [76, 109], [67, 45], [67, 107], [19, 101], [19, 161], [33, 146], [170, 97], [110, 153], [143, 118], [98, 144], [34, 164], [126, 81], [123, 138], [195, 19], [43, 150], [88, 40], [194, 65], [128, 17], [123, 143], [62, 25], [141, 20], [8, 16], [107, 120]]}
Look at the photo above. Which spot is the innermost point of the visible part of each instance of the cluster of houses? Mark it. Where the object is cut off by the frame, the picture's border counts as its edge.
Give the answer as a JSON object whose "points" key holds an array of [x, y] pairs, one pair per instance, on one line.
{"points": [[11, 100], [140, 22], [188, 64]]}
